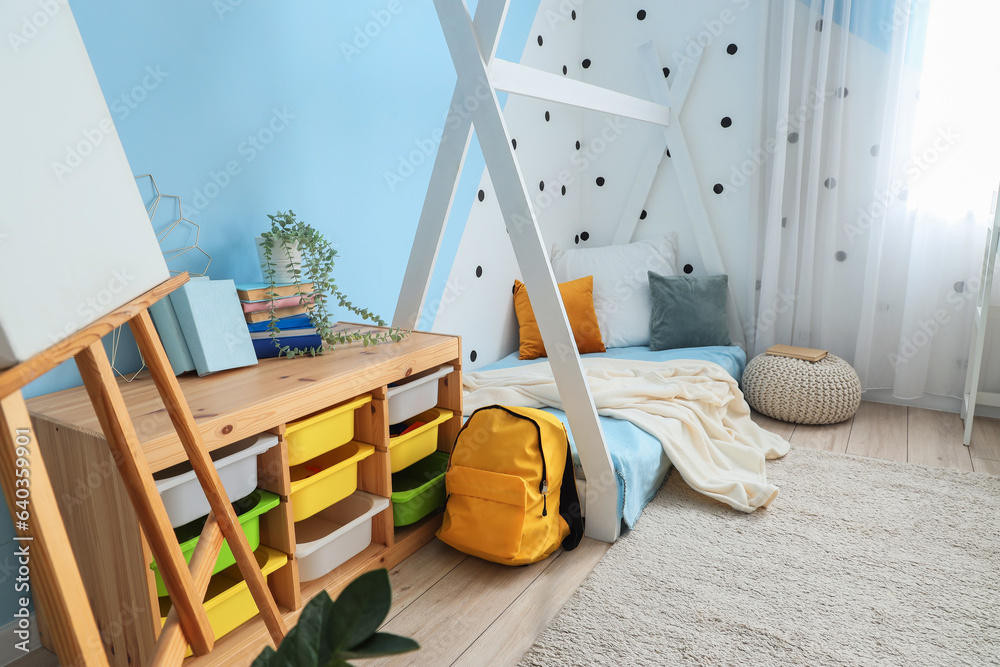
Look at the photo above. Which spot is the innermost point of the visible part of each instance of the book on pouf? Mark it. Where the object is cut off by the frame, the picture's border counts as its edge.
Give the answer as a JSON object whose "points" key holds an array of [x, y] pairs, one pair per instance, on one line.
{"points": [[803, 353], [215, 331]]}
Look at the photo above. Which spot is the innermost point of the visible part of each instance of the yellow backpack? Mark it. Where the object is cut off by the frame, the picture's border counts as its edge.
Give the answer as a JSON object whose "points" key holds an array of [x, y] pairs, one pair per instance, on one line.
{"points": [[511, 491]]}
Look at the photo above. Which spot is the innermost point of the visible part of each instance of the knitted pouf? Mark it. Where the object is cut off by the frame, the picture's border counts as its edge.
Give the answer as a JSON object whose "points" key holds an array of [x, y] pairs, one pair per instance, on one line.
{"points": [[827, 391]]}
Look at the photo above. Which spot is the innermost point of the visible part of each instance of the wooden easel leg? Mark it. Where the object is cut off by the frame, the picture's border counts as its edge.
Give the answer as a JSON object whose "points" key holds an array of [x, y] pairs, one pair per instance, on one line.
{"points": [[53, 575], [100, 382], [180, 414]]}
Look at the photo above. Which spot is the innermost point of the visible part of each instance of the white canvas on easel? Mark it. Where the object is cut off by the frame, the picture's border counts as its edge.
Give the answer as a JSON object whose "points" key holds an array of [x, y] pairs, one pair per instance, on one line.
{"points": [[75, 242]]}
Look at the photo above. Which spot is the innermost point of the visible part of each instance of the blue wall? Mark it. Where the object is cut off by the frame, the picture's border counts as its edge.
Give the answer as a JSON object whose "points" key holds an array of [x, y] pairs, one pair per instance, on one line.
{"points": [[311, 111]]}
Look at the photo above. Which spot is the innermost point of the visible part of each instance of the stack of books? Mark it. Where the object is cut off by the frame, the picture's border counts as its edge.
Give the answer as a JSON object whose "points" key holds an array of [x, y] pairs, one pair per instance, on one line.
{"points": [[293, 317]]}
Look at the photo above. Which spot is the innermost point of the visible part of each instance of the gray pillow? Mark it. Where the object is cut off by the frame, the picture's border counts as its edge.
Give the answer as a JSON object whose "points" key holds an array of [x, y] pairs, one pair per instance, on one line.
{"points": [[688, 311]]}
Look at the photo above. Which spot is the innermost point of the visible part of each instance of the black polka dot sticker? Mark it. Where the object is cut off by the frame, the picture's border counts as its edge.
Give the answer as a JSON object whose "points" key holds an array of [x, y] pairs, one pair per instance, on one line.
{"points": [[482, 195], [784, 222], [830, 183], [718, 188], [548, 117], [578, 145], [539, 40], [666, 72], [564, 191], [586, 63], [473, 355], [959, 286], [842, 92], [573, 15], [565, 70], [840, 256], [479, 272], [875, 150], [668, 152], [732, 49], [793, 138], [513, 144], [600, 181], [577, 239], [541, 186], [641, 15], [642, 216], [726, 122], [819, 25], [688, 268], [585, 236]]}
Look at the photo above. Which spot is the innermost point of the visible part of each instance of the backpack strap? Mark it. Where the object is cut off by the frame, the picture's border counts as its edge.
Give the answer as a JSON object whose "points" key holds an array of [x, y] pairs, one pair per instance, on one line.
{"points": [[569, 504]]}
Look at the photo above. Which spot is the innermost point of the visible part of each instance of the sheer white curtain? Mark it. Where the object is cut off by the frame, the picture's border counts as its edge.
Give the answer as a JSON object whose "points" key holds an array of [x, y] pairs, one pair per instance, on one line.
{"points": [[871, 228]]}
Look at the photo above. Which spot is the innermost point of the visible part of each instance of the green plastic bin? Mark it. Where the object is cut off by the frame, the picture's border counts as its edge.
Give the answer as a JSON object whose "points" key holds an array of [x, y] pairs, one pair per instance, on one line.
{"points": [[248, 510], [419, 489]]}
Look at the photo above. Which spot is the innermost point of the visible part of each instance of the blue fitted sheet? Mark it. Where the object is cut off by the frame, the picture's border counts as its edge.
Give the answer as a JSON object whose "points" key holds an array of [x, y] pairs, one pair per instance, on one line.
{"points": [[639, 460]]}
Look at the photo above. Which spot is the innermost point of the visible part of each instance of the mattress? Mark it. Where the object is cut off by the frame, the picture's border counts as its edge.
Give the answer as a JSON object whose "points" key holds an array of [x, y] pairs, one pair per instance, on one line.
{"points": [[639, 460]]}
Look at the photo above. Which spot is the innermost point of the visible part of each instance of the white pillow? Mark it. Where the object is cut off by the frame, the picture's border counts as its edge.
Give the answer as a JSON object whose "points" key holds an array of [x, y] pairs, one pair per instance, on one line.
{"points": [[621, 283]]}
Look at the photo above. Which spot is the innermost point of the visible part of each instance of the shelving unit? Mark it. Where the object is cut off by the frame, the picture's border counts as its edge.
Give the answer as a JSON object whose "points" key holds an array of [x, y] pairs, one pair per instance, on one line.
{"points": [[229, 406]]}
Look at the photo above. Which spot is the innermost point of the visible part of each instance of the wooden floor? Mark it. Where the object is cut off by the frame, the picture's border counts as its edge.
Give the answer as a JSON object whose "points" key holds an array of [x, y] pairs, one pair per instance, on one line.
{"points": [[465, 611]]}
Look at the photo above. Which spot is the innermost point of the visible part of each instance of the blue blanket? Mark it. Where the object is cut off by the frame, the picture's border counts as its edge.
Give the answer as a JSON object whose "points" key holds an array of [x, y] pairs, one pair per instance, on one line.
{"points": [[639, 460]]}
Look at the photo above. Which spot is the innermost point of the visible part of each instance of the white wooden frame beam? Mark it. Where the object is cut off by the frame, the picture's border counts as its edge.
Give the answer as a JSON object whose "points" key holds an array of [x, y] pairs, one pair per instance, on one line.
{"points": [[688, 178], [530, 82], [533, 259], [649, 166], [452, 151]]}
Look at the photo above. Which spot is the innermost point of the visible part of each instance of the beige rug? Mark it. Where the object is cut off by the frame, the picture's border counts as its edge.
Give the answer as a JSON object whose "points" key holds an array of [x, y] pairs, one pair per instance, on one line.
{"points": [[857, 562]]}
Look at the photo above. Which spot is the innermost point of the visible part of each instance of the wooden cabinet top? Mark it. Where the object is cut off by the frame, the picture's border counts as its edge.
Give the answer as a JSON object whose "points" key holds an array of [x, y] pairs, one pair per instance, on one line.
{"points": [[237, 403]]}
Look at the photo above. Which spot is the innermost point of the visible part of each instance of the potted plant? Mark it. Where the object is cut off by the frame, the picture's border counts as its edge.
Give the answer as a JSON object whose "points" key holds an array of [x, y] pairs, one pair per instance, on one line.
{"points": [[329, 633], [295, 252]]}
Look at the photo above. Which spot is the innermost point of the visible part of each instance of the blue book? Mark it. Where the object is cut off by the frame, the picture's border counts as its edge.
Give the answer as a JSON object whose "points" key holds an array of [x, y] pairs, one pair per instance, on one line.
{"points": [[265, 347], [171, 336], [211, 318], [293, 322]]}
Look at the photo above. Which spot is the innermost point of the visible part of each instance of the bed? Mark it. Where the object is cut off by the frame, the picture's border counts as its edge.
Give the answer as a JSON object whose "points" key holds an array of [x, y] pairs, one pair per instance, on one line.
{"points": [[640, 463]]}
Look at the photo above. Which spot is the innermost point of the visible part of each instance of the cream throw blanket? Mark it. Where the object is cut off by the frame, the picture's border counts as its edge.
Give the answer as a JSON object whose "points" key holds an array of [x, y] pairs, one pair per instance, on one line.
{"points": [[694, 408]]}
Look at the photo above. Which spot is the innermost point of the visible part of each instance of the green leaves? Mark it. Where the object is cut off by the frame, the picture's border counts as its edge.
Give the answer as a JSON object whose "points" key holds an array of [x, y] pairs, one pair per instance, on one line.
{"points": [[329, 633]]}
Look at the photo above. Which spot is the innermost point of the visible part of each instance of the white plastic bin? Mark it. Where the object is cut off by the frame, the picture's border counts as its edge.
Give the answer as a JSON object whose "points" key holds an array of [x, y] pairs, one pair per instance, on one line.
{"points": [[237, 465], [415, 394], [330, 538]]}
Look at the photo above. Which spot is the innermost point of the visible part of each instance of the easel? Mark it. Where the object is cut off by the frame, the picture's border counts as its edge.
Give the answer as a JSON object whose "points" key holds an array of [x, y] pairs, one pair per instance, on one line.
{"points": [[54, 576]]}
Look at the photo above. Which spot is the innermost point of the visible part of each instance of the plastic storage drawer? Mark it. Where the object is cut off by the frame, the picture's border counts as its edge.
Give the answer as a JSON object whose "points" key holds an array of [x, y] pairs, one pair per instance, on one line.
{"points": [[419, 490], [408, 448], [308, 438], [237, 466], [417, 393], [326, 479], [228, 601], [248, 510], [335, 535]]}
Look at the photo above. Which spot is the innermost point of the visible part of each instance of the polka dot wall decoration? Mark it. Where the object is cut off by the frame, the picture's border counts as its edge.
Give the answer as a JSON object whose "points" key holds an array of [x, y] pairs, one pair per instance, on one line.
{"points": [[875, 150], [600, 181], [718, 189], [784, 222], [830, 183], [473, 355], [840, 256], [548, 117], [539, 40], [688, 268], [586, 63], [565, 70], [573, 15], [513, 144], [666, 72], [578, 145], [726, 122], [732, 49], [541, 186], [585, 236], [564, 191], [668, 152], [793, 138], [642, 216], [479, 272], [482, 195], [577, 239], [641, 15], [819, 25], [842, 92]]}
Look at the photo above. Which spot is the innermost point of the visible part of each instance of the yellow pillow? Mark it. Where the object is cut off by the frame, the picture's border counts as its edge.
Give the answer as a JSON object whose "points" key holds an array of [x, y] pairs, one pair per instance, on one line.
{"points": [[578, 299]]}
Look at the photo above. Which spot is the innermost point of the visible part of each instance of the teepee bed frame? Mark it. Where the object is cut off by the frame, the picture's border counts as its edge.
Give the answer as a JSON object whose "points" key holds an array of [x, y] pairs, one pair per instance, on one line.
{"points": [[473, 44]]}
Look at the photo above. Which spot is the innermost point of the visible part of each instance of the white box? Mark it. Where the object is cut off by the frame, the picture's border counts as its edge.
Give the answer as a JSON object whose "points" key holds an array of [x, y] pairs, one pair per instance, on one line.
{"points": [[415, 394], [333, 536]]}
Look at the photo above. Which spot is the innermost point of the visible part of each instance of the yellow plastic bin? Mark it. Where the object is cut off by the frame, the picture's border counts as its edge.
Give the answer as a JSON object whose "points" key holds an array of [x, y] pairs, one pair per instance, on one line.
{"points": [[308, 438], [326, 479], [408, 448], [228, 601]]}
